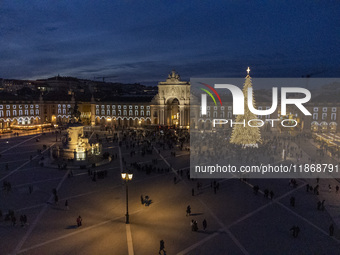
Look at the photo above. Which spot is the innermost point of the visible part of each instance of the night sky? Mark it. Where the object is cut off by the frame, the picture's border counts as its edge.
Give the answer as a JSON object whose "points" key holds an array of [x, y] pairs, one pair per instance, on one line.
{"points": [[142, 41]]}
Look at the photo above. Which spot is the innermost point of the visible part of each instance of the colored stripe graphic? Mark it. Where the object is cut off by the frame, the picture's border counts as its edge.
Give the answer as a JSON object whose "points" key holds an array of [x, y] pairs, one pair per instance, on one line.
{"points": [[206, 91], [213, 90]]}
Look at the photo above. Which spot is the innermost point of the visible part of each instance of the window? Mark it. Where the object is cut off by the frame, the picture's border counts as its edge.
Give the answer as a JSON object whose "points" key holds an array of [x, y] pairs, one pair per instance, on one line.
{"points": [[316, 109], [222, 114], [333, 116], [124, 112], [130, 106], [315, 116], [97, 111], [59, 111], [113, 107], [64, 111], [130, 112], [208, 114], [324, 109], [1, 113], [26, 112], [20, 106], [333, 109], [31, 106], [119, 106], [113, 112], [108, 111], [20, 112], [1, 107], [97, 106], [103, 106], [31, 112], [59, 106], [148, 107], [229, 115], [14, 106], [222, 108], [8, 106], [8, 113], [147, 113], [36, 106], [136, 107], [36, 112], [142, 107], [119, 112], [215, 113], [107, 107], [208, 107], [14, 112], [141, 113], [26, 106], [136, 113], [124, 107], [229, 108], [215, 108], [68, 106], [103, 112]]}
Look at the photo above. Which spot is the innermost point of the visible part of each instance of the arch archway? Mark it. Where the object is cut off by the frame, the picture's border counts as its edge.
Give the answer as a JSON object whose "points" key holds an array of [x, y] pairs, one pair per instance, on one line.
{"points": [[173, 112]]}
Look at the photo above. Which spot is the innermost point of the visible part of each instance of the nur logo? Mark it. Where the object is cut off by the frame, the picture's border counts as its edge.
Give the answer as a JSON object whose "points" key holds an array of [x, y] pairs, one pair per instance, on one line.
{"points": [[204, 97]]}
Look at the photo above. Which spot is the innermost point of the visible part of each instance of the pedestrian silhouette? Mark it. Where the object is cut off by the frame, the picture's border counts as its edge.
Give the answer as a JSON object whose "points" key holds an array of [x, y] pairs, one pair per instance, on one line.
{"points": [[331, 230], [161, 247], [204, 224]]}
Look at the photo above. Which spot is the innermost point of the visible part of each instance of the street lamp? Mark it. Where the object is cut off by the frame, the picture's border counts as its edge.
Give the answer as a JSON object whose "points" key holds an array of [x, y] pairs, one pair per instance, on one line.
{"points": [[127, 177]]}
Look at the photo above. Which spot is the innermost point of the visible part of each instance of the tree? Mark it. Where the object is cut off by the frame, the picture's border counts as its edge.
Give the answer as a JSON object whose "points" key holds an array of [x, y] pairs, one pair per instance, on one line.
{"points": [[246, 135]]}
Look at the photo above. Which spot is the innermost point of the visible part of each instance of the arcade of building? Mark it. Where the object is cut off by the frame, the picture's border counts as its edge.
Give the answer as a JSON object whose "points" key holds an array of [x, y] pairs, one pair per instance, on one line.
{"points": [[170, 107]]}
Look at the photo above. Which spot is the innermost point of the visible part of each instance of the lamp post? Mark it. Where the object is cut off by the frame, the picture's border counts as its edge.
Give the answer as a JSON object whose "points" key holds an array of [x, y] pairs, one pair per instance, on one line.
{"points": [[127, 177]]}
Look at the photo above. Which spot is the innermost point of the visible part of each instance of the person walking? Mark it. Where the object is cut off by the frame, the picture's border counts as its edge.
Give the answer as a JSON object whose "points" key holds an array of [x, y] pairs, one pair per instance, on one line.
{"points": [[204, 224], [331, 230], [79, 221], [188, 210], [161, 247]]}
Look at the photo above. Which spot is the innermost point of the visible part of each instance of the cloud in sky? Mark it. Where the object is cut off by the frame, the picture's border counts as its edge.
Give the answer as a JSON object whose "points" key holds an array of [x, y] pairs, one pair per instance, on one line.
{"points": [[141, 41]]}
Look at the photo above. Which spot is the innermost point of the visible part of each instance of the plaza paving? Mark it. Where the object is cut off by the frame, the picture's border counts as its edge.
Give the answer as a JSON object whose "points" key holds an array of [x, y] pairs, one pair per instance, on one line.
{"points": [[239, 222]]}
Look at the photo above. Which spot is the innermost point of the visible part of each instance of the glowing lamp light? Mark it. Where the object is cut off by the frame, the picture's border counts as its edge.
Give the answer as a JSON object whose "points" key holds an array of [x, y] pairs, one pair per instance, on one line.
{"points": [[123, 176]]}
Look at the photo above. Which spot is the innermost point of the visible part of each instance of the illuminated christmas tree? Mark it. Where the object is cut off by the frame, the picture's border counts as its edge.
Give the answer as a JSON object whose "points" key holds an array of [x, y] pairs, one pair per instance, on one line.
{"points": [[246, 135]]}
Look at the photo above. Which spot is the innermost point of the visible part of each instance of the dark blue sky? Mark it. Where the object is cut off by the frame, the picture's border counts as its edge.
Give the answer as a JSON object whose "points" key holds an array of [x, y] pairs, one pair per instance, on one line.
{"points": [[142, 41]]}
